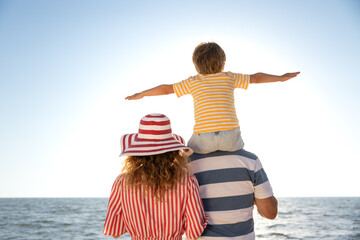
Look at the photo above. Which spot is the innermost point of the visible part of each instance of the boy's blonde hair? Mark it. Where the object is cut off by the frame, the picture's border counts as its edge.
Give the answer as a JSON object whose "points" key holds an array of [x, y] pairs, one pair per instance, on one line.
{"points": [[209, 58]]}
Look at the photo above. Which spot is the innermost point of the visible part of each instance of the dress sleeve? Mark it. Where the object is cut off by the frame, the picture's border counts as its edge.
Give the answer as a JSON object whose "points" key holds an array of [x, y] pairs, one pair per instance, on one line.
{"points": [[114, 223], [196, 220], [241, 80], [182, 88]]}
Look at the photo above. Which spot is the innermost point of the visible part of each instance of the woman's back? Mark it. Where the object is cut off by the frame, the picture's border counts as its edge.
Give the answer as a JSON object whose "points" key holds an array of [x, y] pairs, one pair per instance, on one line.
{"points": [[142, 215]]}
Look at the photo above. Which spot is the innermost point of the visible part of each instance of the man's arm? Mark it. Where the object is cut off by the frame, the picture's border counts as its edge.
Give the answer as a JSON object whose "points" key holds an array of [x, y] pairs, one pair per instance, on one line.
{"points": [[267, 78], [163, 89], [267, 207]]}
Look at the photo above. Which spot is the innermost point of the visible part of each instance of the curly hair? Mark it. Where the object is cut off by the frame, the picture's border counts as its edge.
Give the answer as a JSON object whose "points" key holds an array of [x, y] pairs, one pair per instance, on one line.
{"points": [[209, 58], [160, 173]]}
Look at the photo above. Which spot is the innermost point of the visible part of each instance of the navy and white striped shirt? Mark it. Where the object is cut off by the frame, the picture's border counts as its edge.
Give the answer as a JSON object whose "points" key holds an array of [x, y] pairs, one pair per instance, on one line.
{"points": [[228, 182]]}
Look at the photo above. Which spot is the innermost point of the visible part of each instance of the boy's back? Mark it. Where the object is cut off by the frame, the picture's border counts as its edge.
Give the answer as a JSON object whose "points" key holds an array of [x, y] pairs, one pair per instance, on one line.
{"points": [[213, 96]]}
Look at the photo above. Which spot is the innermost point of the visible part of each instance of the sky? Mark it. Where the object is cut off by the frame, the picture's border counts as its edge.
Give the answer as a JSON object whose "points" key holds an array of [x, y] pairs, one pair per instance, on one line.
{"points": [[66, 67]]}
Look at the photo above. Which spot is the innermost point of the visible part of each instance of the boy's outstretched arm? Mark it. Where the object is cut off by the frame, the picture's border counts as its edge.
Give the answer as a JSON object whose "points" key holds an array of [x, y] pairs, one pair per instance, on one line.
{"points": [[163, 89], [267, 78]]}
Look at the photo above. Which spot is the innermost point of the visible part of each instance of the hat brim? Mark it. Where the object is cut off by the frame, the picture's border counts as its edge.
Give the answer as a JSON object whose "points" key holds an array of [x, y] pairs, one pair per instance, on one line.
{"points": [[132, 145]]}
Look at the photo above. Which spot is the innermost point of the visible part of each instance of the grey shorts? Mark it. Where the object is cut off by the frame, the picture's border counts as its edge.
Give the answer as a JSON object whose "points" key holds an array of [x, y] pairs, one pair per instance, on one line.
{"points": [[228, 140]]}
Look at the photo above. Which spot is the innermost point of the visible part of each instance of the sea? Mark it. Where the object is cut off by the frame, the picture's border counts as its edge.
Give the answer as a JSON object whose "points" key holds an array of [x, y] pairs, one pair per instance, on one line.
{"points": [[83, 218]]}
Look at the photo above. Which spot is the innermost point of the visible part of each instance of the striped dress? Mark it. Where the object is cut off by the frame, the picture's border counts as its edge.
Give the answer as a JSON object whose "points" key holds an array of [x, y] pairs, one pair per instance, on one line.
{"points": [[213, 95], [141, 215]]}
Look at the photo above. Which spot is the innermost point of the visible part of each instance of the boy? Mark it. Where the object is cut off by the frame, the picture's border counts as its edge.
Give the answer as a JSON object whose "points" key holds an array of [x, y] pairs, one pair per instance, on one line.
{"points": [[216, 124]]}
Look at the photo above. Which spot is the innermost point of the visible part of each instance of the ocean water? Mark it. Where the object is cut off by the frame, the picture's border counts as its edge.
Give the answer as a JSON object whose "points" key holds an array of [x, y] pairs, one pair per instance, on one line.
{"points": [[83, 218], [312, 218]]}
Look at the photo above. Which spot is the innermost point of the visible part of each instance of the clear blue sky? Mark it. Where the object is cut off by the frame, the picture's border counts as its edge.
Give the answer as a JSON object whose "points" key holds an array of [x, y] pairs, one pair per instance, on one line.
{"points": [[66, 67]]}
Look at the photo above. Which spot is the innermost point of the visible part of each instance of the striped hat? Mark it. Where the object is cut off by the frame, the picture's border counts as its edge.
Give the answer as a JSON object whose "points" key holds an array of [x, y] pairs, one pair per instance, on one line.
{"points": [[154, 137]]}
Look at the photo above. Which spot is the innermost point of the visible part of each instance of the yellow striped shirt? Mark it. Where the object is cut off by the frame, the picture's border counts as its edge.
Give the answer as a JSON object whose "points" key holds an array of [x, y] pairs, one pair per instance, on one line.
{"points": [[213, 95]]}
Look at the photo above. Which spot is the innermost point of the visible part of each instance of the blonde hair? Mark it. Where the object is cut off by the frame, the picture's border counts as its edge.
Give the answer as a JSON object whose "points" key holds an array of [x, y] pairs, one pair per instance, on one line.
{"points": [[161, 172], [209, 58]]}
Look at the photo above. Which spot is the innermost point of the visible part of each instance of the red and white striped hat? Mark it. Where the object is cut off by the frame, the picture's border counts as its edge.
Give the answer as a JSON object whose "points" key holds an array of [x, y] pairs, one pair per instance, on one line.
{"points": [[154, 137]]}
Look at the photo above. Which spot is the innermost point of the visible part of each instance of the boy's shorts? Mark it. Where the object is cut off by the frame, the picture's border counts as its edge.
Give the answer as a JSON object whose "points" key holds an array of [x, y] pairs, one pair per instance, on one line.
{"points": [[228, 140]]}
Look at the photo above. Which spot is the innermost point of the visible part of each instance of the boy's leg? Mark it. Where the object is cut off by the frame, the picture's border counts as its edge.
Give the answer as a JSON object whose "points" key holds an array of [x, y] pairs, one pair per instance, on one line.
{"points": [[230, 140], [203, 143]]}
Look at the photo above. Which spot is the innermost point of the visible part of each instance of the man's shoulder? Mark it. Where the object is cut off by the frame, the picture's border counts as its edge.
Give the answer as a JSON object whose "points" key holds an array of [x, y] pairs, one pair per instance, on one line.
{"points": [[224, 154]]}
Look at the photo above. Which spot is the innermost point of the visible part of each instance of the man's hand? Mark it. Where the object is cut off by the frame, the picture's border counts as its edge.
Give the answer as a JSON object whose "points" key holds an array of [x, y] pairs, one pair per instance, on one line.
{"points": [[288, 76]]}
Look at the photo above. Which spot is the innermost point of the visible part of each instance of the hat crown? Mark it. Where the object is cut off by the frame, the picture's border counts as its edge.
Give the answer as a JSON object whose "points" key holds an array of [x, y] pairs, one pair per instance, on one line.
{"points": [[155, 126], [154, 137]]}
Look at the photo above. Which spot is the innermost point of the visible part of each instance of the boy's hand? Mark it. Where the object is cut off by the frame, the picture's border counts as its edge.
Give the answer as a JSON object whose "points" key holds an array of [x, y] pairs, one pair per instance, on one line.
{"points": [[156, 91], [135, 96], [268, 78], [288, 76]]}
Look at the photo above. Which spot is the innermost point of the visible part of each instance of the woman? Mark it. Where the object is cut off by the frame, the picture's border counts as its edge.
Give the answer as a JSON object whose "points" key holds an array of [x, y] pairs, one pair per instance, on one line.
{"points": [[155, 197]]}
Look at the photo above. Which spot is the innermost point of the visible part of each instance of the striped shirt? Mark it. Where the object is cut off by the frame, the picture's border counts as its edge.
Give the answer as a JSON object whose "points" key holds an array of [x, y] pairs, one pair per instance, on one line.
{"points": [[140, 214], [229, 181], [213, 95]]}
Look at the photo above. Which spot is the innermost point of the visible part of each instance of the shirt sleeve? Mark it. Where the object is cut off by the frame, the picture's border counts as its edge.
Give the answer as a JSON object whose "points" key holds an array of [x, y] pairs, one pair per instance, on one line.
{"points": [[182, 88], [114, 223], [262, 187], [196, 220], [241, 80]]}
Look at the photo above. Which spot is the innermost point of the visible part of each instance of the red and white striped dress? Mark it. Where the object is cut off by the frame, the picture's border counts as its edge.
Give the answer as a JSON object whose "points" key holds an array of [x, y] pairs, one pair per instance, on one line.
{"points": [[141, 215]]}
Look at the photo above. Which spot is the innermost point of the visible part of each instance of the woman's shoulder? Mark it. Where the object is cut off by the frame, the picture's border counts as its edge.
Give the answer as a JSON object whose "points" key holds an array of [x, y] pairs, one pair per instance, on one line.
{"points": [[120, 179], [190, 179]]}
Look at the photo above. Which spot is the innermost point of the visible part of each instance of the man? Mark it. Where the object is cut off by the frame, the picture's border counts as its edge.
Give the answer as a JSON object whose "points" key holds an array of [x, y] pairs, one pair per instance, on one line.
{"points": [[231, 183]]}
